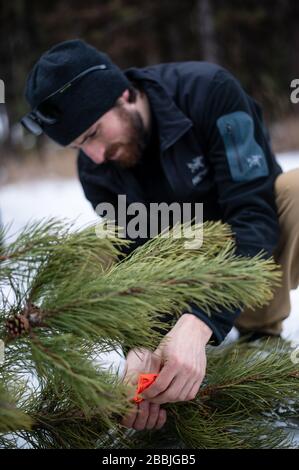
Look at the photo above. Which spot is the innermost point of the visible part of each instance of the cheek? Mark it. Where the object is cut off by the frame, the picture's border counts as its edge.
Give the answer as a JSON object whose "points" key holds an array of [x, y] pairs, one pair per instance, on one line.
{"points": [[114, 131]]}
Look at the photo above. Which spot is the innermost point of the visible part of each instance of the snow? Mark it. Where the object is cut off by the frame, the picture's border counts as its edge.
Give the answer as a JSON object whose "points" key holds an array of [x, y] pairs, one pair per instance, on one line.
{"points": [[34, 200], [24, 202]]}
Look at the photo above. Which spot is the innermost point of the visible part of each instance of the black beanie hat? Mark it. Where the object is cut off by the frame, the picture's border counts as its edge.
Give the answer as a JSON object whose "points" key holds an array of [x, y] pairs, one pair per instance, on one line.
{"points": [[85, 102]]}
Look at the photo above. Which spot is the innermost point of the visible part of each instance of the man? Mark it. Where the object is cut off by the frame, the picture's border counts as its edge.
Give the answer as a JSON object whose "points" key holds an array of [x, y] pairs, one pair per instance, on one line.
{"points": [[179, 132]]}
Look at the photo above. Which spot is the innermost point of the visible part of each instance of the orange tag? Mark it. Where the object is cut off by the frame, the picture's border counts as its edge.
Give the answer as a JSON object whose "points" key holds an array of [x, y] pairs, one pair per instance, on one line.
{"points": [[144, 381]]}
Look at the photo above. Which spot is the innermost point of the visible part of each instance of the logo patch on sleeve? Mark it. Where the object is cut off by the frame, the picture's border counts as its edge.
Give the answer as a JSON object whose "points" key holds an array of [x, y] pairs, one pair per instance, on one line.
{"points": [[245, 156]]}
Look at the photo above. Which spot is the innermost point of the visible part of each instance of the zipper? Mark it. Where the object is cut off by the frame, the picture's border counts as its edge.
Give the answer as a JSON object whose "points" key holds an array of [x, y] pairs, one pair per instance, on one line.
{"points": [[232, 137]]}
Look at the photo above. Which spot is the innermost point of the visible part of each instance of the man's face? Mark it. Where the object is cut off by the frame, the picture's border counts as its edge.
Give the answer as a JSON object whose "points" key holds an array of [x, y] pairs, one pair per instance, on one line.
{"points": [[119, 136]]}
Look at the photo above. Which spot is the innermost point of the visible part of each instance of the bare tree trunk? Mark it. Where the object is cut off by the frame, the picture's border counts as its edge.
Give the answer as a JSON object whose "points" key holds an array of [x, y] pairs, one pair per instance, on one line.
{"points": [[206, 31]]}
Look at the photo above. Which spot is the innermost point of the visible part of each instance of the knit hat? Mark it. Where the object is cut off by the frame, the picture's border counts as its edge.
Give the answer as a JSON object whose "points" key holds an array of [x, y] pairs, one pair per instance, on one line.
{"points": [[82, 103]]}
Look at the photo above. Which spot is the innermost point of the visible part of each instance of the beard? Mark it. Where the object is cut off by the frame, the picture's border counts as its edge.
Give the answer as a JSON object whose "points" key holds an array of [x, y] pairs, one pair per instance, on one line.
{"points": [[128, 152]]}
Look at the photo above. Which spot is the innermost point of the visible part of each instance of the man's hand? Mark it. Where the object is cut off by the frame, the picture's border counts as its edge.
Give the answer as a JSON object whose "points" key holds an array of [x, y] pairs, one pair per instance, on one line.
{"points": [[146, 415], [183, 359]]}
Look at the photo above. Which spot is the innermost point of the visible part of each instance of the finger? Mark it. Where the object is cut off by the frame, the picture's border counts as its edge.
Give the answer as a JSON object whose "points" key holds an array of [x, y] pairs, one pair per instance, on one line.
{"points": [[142, 416], [153, 416], [194, 391], [180, 389], [162, 382], [161, 419], [175, 392], [188, 393], [129, 419]]}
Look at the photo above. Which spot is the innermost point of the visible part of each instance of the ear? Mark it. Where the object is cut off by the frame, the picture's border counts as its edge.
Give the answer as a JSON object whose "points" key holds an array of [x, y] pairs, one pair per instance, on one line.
{"points": [[124, 98]]}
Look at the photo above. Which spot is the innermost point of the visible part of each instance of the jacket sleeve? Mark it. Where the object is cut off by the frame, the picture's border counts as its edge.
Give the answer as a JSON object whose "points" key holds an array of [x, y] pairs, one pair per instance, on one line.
{"points": [[244, 170]]}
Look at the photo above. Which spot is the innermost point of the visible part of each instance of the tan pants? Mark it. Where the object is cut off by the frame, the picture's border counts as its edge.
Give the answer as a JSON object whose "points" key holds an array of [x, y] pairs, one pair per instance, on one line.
{"points": [[269, 318]]}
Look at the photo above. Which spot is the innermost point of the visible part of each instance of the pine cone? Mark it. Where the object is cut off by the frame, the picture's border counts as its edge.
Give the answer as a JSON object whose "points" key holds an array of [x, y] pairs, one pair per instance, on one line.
{"points": [[17, 325], [33, 313]]}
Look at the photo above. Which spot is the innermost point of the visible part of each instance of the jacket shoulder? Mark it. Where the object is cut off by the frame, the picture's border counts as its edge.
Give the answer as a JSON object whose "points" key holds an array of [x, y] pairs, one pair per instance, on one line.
{"points": [[189, 84], [171, 70], [176, 76]]}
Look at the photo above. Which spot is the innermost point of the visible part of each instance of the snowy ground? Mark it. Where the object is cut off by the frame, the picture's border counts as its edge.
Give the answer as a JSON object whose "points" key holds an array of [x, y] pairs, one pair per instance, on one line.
{"points": [[64, 198]]}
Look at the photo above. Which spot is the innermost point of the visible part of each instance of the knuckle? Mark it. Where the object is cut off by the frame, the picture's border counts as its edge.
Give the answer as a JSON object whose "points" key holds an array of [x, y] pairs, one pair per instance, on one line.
{"points": [[198, 373], [175, 361], [143, 414], [201, 376], [189, 369], [171, 397], [143, 406], [155, 407], [191, 396]]}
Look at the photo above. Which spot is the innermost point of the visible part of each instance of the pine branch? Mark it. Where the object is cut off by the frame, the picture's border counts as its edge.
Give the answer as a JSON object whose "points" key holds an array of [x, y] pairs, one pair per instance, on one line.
{"points": [[72, 299], [11, 418]]}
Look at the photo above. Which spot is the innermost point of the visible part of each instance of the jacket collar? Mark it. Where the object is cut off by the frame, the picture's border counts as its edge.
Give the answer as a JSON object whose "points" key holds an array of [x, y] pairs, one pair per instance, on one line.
{"points": [[172, 122]]}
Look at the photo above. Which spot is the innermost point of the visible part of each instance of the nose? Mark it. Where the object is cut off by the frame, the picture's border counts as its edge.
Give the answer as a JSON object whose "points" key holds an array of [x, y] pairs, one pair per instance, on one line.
{"points": [[95, 151]]}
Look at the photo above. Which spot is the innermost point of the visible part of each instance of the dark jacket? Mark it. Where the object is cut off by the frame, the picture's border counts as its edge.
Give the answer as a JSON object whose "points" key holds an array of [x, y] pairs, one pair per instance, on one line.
{"points": [[211, 147]]}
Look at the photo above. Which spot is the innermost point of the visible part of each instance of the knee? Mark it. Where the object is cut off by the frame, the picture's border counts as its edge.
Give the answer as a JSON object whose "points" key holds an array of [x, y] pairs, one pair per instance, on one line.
{"points": [[287, 186], [287, 199]]}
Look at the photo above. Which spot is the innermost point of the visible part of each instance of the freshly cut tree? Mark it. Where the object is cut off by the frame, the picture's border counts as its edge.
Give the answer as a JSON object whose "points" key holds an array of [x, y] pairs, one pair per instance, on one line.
{"points": [[68, 296]]}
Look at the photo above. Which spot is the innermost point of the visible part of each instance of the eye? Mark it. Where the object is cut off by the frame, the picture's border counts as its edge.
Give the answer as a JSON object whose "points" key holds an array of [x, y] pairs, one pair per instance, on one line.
{"points": [[92, 135]]}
